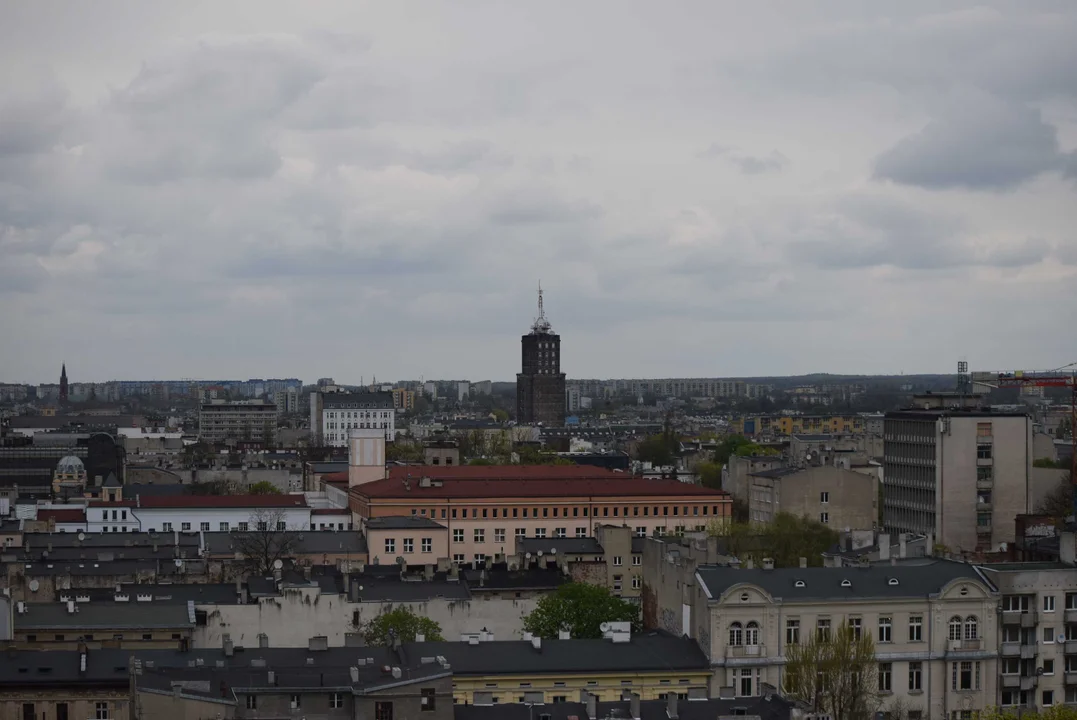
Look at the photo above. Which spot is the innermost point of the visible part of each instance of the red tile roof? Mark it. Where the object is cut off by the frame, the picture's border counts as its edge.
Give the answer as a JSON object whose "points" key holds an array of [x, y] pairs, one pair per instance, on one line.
{"points": [[62, 516], [210, 501], [496, 487]]}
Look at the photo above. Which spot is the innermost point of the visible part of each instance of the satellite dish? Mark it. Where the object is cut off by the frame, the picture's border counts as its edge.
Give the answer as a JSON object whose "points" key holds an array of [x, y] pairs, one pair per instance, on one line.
{"points": [[34, 585], [1061, 637], [527, 555], [277, 564], [553, 551], [179, 563], [81, 536]]}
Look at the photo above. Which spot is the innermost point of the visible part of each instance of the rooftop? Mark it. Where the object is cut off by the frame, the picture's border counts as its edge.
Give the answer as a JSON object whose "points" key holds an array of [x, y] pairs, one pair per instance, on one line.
{"points": [[764, 707], [103, 616], [559, 546], [653, 651], [209, 501], [921, 579], [402, 522], [381, 400]]}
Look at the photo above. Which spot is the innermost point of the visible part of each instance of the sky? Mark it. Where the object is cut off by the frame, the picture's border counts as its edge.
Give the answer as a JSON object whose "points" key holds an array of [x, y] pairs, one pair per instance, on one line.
{"points": [[719, 189]]}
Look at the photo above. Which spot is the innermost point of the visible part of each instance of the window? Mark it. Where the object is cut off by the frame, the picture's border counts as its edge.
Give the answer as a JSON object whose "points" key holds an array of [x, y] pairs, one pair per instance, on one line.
{"points": [[637, 582], [955, 628], [824, 518], [205, 526], [972, 628], [390, 545], [886, 672], [29, 711], [916, 628], [854, 625], [458, 557], [166, 527], [336, 700], [792, 632], [262, 526], [1048, 667], [480, 557], [185, 526], [1049, 635], [295, 702], [427, 699], [617, 584], [61, 711], [637, 560], [560, 532], [101, 711], [824, 497], [822, 628], [983, 452], [243, 527], [963, 676], [916, 676], [457, 535], [224, 527], [281, 526], [427, 545], [617, 561], [736, 635], [540, 532], [1048, 603], [383, 710], [1048, 698], [751, 634], [521, 533], [885, 630], [582, 532], [499, 535], [409, 545]]}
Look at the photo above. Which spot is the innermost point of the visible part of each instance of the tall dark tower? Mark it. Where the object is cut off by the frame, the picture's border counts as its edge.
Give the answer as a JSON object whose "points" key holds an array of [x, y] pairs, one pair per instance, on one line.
{"points": [[540, 386], [63, 384]]}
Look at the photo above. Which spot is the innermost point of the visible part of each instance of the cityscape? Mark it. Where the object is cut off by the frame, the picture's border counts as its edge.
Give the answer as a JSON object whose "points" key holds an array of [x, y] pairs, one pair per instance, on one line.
{"points": [[543, 440]]}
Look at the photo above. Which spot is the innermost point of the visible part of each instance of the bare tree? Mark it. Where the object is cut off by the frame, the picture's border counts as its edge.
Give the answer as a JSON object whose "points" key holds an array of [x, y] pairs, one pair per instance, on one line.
{"points": [[835, 673], [266, 540], [1058, 503]]}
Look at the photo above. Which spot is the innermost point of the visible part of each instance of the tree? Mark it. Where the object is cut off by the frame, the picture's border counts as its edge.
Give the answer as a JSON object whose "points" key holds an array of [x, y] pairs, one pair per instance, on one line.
{"points": [[404, 451], [1049, 463], [401, 623], [211, 487], [266, 540], [834, 673], [263, 487], [710, 474], [1059, 502], [659, 450], [580, 608], [784, 540]]}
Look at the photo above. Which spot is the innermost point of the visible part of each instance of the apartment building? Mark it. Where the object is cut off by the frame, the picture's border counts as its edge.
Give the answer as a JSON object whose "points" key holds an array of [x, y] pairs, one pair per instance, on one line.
{"points": [[933, 621], [799, 424], [832, 495], [219, 421], [960, 474], [1038, 631], [334, 414]]}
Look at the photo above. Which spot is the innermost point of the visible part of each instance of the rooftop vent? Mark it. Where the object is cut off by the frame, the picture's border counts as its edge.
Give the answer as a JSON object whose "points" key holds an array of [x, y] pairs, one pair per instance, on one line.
{"points": [[846, 583], [799, 583], [892, 581]]}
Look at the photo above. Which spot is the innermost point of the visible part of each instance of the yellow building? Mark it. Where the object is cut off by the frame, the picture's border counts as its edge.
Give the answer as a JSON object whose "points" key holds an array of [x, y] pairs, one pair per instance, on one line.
{"points": [[755, 425], [556, 670], [403, 399]]}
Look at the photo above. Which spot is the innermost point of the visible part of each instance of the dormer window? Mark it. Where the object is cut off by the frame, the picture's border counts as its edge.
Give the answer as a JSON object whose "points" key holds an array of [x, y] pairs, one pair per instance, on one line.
{"points": [[799, 583], [846, 583], [892, 581]]}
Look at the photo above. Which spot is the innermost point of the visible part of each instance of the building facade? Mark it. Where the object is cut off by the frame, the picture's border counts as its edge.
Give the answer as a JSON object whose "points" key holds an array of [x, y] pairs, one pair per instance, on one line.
{"points": [[961, 475], [220, 421], [833, 496], [333, 414], [540, 384]]}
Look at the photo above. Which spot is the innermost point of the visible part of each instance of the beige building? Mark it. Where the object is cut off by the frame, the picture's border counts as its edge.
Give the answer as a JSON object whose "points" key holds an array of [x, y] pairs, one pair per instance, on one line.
{"points": [[962, 475], [254, 420], [843, 499], [933, 621]]}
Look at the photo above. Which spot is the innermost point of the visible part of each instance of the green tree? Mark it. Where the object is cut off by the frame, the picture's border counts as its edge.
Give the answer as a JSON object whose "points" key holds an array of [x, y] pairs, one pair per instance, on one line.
{"points": [[710, 474], [263, 487], [581, 609], [404, 451], [500, 415], [210, 487], [834, 673], [402, 623], [659, 450], [531, 455], [784, 540]]}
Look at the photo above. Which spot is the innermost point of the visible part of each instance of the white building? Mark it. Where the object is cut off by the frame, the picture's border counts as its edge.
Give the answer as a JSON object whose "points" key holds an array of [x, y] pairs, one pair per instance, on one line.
{"points": [[332, 415]]}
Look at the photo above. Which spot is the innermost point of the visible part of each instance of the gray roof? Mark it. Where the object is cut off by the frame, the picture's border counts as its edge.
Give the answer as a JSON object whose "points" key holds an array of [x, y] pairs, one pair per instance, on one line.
{"points": [[561, 546], [358, 400], [775, 472], [310, 542], [103, 616], [652, 651], [403, 522], [173, 593], [112, 481], [820, 583], [99, 541], [813, 437], [765, 707], [393, 589]]}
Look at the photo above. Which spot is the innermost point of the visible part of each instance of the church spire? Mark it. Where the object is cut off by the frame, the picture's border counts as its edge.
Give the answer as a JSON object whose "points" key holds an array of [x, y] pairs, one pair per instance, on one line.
{"points": [[63, 383]]}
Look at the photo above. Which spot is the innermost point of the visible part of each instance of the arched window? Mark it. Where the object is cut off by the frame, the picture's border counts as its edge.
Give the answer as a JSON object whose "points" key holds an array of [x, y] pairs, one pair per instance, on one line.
{"points": [[972, 628], [736, 636], [955, 628], [751, 633]]}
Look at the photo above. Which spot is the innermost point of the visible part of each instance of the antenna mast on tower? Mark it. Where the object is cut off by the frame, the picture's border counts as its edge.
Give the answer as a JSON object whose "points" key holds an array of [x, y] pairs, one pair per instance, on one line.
{"points": [[541, 325]]}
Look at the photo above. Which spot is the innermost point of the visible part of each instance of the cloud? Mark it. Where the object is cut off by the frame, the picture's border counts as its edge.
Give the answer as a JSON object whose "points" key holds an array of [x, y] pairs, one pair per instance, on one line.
{"points": [[747, 164], [978, 143]]}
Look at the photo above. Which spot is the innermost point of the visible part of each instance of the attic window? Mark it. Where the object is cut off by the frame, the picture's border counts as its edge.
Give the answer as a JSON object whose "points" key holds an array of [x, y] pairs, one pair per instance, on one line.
{"points": [[846, 583], [744, 597], [892, 581], [964, 590], [799, 583]]}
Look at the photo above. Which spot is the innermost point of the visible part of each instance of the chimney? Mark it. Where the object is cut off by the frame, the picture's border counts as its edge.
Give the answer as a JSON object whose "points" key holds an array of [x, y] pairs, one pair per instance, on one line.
{"points": [[83, 650], [318, 643], [428, 572], [272, 678], [70, 607], [489, 562], [929, 545], [592, 705], [1067, 548], [263, 640], [536, 642], [419, 637], [803, 562], [903, 545], [633, 704], [884, 546], [671, 705], [564, 635], [229, 647], [768, 563], [355, 674]]}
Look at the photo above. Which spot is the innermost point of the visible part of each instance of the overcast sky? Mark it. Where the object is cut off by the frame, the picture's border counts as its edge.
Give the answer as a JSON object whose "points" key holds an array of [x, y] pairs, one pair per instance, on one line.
{"points": [[256, 189]]}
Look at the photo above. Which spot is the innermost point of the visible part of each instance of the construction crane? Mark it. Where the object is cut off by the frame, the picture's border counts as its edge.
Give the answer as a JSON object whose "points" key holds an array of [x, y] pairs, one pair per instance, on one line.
{"points": [[1057, 378]]}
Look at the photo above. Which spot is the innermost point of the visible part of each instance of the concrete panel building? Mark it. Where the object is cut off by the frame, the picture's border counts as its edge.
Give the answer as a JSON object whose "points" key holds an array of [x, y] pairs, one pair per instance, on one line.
{"points": [[219, 421], [962, 475]]}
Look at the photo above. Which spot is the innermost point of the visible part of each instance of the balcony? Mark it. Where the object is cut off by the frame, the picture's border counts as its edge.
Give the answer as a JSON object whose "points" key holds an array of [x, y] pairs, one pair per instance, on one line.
{"points": [[1010, 649], [1071, 615], [745, 651], [957, 646], [1070, 677], [1029, 651], [985, 484], [1011, 681], [984, 462], [1024, 618], [1071, 647], [983, 529]]}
